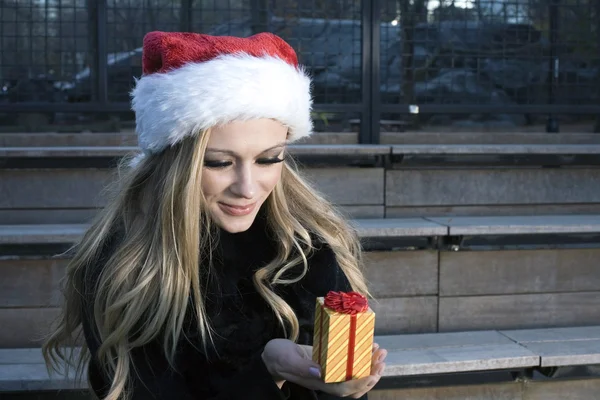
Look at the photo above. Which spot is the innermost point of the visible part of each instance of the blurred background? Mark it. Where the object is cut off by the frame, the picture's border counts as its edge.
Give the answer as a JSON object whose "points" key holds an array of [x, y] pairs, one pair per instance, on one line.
{"points": [[378, 65]]}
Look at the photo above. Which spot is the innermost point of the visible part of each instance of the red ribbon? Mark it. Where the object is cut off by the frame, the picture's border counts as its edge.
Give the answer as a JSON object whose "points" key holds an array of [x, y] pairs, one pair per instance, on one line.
{"points": [[346, 303], [350, 303]]}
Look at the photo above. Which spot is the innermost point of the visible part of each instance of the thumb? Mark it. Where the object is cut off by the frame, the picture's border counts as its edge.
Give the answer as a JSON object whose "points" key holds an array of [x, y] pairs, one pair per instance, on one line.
{"points": [[306, 368]]}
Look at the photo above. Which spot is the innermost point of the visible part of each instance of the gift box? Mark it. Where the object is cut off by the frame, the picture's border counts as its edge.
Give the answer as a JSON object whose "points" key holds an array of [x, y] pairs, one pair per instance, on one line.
{"points": [[343, 336]]}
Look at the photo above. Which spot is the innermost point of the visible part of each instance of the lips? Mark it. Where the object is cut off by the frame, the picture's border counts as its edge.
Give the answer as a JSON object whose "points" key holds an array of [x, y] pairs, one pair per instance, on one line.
{"points": [[237, 211]]}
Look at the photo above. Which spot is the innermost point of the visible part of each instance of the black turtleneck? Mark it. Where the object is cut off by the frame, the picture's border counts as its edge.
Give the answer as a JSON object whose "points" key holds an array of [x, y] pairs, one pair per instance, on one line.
{"points": [[243, 323]]}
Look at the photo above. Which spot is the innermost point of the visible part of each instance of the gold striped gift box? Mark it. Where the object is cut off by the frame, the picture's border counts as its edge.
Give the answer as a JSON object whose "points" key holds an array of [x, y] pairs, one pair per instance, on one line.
{"points": [[343, 343]]}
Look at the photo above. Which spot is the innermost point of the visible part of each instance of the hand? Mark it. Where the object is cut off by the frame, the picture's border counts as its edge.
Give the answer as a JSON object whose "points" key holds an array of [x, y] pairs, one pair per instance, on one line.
{"points": [[288, 361]]}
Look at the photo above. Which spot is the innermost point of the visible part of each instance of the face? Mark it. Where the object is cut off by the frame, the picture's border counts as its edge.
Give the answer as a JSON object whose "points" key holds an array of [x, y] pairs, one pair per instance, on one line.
{"points": [[242, 165]]}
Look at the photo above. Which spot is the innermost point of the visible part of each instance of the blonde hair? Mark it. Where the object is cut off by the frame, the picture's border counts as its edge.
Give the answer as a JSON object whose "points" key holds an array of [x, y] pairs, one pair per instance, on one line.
{"points": [[144, 288]]}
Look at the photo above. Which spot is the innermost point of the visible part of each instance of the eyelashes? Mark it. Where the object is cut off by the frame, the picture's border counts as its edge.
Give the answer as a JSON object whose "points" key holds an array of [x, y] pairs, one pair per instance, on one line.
{"points": [[269, 161], [260, 161], [217, 164]]}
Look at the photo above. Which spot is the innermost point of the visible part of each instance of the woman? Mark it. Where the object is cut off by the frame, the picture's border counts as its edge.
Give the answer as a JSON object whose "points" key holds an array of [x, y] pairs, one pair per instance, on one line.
{"points": [[199, 279]]}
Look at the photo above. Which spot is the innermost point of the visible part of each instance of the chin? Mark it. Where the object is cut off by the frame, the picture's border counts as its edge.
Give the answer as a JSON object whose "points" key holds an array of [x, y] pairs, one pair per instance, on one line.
{"points": [[235, 224]]}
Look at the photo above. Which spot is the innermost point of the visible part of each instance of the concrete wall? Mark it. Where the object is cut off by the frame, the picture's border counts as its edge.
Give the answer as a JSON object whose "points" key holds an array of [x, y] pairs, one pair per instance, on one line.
{"points": [[415, 291]]}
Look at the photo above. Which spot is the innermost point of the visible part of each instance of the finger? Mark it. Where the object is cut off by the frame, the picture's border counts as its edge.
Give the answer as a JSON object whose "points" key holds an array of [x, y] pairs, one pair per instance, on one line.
{"points": [[379, 356], [375, 360], [303, 366], [350, 388], [367, 390], [376, 356], [305, 351], [381, 369], [375, 347]]}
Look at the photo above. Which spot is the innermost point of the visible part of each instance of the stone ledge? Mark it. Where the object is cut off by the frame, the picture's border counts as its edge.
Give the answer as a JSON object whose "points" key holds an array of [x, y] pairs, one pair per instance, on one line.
{"points": [[513, 225], [561, 346], [330, 149], [495, 149], [34, 377], [436, 353], [366, 228], [409, 355], [398, 227], [41, 234], [120, 151], [439, 360], [71, 233]]}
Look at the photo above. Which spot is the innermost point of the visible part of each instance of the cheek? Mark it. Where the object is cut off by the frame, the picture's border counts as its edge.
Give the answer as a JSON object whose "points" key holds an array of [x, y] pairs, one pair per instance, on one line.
{"points": [[213, 183], [270, 178]]}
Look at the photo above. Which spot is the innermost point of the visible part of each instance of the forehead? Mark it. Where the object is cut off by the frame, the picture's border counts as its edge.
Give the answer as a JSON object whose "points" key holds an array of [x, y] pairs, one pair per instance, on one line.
{"points": [[243, 137]]}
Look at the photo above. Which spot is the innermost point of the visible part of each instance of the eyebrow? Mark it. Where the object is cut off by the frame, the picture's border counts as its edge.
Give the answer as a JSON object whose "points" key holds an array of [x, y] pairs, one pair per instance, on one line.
{"points": [[280, 145]]}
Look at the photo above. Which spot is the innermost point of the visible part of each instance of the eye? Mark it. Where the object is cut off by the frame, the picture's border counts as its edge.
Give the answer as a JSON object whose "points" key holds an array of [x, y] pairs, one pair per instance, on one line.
{"points": [[217, 164], [269, 161]]}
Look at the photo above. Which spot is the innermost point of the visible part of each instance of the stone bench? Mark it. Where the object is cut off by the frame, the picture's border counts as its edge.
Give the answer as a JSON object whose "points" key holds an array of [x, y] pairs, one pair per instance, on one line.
{"points": [[128, 137], [409, 355], [70, 233], [330, 150], [560, 347], [65, 184], [505, 155], [495, 149], [424, 278], [366, 228], [519, 225]]}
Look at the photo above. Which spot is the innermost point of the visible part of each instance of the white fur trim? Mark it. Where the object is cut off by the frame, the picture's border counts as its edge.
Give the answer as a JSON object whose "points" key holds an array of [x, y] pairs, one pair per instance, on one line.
{"points": [[173, 105], [137, 159]]}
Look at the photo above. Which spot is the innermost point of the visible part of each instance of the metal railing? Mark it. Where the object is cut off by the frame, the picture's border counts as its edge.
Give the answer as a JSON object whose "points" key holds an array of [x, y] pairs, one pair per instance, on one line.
{"points": [[371, 60]]}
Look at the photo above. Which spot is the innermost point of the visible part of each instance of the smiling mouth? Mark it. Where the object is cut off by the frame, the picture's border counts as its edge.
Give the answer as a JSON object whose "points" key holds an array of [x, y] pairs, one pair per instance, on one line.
{"points": [[237, 211]]}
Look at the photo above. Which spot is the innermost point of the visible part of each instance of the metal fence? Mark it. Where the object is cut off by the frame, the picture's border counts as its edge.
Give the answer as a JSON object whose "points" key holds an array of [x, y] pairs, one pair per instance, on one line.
{"points": [[441, 61]]}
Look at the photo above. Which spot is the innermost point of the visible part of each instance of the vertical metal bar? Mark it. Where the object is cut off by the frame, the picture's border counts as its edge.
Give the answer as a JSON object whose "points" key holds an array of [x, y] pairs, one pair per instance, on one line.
{"points": [[101, 50], [31, 70], [92, 58], [260, 15], [375, 71], [364, 136], [552, 123], [47, 61], [596, 13], [186, 17]]}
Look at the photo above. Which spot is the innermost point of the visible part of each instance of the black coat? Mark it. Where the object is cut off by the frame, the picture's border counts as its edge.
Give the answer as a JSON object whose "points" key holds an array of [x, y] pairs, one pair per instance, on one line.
{"points": [[243, 323]]}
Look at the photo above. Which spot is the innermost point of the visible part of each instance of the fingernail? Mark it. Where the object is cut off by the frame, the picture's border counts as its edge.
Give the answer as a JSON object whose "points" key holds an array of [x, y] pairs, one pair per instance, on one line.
{"points": [[314, 372]]}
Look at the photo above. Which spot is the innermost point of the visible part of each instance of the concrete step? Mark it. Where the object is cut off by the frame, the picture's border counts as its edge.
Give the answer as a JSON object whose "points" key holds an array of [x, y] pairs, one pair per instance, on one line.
{"points": [[420, 355], [519, 225], [366, 228], [119, 151], [128, 138], [326, 149], [65, 184], [23, 234], [425, 274], [71, 233]]}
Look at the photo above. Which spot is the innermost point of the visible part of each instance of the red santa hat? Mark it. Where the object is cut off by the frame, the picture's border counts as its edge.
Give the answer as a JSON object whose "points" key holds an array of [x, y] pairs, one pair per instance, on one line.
{"points": [[192, 81]]}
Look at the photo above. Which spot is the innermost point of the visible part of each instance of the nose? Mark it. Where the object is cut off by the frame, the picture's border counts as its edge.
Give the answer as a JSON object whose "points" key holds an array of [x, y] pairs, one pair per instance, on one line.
{"points": [[244, 185]]}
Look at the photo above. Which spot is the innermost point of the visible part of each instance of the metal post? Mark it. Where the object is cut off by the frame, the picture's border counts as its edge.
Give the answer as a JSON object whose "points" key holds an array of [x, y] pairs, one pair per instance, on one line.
{"points": [[596, 13], [186, 17], [364, 136], [259, 10], [552, 123], [375, 71], [101, 51]]}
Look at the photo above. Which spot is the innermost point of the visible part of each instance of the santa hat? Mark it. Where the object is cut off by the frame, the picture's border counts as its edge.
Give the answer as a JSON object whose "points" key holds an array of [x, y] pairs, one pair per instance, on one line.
{"points": [[191, 82]]}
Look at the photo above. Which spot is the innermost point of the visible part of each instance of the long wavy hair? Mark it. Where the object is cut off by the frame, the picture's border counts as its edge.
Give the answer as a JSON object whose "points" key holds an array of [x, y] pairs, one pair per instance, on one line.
{"points": [[151, 280]]}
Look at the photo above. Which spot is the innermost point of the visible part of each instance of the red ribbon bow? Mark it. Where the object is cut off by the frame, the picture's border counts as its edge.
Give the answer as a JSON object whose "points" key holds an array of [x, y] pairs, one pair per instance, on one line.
{"points": [[346, 303]]}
